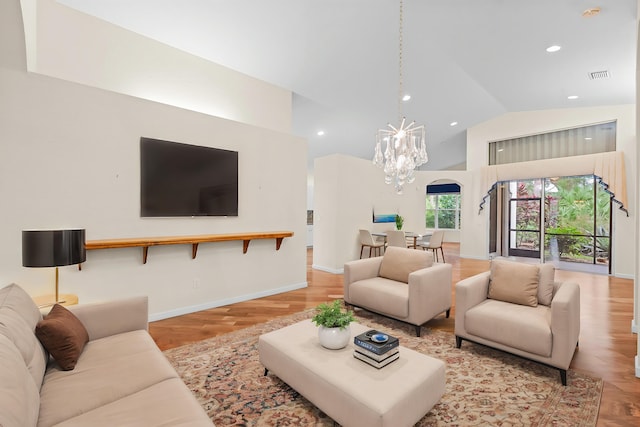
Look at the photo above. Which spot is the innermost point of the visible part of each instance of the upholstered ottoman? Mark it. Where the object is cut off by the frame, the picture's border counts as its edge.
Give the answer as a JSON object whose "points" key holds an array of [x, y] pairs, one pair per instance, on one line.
{"points": [[347, 389]]}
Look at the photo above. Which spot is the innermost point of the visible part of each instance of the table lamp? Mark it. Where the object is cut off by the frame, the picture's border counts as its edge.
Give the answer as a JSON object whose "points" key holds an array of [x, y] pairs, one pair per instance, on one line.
{"points": [[53, 248]]}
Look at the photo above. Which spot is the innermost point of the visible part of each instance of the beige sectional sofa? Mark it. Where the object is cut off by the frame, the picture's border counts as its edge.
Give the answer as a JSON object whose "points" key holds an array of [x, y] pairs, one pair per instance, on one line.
{"points": [[404, 284], [121, 378]]}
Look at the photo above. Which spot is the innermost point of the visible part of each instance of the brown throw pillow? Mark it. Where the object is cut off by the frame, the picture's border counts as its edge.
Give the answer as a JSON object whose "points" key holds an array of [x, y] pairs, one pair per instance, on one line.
{"points": [[63, 335], [514, 282]]}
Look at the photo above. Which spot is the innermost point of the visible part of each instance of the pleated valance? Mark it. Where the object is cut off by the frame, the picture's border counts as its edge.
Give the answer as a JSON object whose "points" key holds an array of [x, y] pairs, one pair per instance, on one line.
{"points": [[607, 167]]}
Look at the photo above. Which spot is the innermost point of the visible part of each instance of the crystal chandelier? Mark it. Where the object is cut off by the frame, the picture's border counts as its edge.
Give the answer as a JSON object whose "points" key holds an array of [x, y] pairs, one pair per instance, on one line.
{"points": [[405, 145]]}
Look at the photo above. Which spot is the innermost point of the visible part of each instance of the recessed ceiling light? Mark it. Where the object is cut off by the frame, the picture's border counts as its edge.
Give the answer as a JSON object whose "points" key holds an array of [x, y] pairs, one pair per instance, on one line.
{"points": [[453, 123], [406, 97], [320, 132], [554, 48], [572, 97], [587, 138], [500, 150]]}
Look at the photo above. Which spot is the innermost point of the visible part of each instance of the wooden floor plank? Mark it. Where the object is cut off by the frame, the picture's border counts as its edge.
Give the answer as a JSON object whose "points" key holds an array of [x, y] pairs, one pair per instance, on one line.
{"points": [[607, 346]]}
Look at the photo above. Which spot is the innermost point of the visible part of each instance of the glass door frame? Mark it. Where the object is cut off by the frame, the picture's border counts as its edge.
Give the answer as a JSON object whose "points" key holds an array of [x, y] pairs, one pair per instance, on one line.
{"points": [[512, 230]]}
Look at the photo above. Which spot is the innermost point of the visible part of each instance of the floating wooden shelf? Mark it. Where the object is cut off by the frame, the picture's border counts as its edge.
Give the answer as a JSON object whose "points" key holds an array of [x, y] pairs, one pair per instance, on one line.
{"points": [[146, 242]]}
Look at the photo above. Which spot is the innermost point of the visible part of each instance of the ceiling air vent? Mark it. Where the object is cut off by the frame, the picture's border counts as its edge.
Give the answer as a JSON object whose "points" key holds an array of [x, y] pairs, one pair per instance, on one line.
{"points": [[596, 75]]}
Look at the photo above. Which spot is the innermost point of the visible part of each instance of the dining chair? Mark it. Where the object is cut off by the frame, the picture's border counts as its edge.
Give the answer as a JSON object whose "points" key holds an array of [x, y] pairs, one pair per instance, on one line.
{"points": [[396, 238], [434, 243], [367, 240]]}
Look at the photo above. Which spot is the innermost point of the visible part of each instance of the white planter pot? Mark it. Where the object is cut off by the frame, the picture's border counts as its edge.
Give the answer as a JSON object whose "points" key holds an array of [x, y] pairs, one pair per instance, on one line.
{"points": [[334, 338]]}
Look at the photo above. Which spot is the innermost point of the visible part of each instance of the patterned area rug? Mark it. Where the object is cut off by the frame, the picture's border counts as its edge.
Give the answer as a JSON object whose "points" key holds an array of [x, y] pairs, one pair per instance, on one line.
{"points": [[484, 386]]}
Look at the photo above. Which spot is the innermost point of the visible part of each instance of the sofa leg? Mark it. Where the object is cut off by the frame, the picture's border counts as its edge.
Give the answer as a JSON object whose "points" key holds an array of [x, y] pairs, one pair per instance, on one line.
{"points": [[458, 341], [418, 331], [563, 377], [266, 372], [447, 313]]}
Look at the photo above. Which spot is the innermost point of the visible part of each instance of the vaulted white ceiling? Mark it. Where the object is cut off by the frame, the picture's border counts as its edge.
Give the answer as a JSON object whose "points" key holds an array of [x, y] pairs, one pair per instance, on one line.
{"points": [[463, 60]]}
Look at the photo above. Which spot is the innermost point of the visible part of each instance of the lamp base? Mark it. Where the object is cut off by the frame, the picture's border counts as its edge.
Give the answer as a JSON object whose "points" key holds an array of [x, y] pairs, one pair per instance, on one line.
{"points": [[50, 300]]}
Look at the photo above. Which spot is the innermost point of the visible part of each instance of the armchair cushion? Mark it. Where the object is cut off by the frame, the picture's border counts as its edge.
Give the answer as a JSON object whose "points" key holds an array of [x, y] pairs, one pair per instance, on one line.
{"points": [[514, 282], [386, 296], [398, 263], [545, 285], [525, 328]]}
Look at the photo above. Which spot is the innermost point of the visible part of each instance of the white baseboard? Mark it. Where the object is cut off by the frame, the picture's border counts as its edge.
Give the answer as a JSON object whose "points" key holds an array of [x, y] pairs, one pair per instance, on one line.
{"points": [[634, 326], [637, 367], [327, 269], [219, 303]]}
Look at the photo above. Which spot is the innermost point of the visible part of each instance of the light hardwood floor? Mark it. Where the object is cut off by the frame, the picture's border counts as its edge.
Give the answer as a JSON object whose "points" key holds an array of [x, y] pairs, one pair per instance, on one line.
{"points": [[607, 346]]}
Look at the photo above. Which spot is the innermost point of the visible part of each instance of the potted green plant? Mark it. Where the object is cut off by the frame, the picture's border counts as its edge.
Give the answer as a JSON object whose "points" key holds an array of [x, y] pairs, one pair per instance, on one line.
{"points": [[333, 325], [399, 222]]}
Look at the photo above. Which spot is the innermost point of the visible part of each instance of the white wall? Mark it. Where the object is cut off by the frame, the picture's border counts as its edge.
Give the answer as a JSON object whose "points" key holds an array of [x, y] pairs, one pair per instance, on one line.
{"points": [[348, 189], [513, 125], [69, 156], [73, 46]]}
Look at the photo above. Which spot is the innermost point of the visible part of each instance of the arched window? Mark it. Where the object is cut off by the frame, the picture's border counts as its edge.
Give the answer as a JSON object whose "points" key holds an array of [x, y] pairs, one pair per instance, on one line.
{"points": [[443, 206]]}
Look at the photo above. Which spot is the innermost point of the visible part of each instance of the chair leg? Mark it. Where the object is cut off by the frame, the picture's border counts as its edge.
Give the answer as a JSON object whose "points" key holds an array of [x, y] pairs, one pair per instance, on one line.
{"points": [[370, 248], [361, 249], [442, 250], [435, 254]]}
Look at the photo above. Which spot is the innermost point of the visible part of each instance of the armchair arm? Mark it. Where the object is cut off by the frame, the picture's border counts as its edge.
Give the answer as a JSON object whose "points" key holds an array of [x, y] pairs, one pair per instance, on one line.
{"points": [[429, 292], [565, 323], [469, 293], [113, 317], [360, 269]]}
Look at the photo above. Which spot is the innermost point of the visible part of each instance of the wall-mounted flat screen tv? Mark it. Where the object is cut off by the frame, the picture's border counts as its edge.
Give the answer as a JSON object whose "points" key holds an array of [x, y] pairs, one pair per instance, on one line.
{"points": [[182, 180]]}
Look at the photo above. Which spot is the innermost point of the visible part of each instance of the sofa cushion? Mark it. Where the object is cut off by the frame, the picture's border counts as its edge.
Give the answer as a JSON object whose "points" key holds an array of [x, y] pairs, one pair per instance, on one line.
{"points": [[398, 263], [63, 335], [514, 282], [108, 370], [381, 295], [545, 283], [18, 318], [513, 325], [19, 396], [167, 403]]}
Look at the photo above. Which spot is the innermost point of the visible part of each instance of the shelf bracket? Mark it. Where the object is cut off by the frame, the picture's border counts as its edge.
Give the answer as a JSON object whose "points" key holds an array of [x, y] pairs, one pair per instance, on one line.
{"points": [[245, 246], [278, 242], [145, 251], [194, 250]]}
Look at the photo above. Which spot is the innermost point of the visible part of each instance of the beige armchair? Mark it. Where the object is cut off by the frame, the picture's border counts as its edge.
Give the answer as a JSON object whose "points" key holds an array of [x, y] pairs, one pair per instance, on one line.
{"points": [[518, 308], [404, 284]]}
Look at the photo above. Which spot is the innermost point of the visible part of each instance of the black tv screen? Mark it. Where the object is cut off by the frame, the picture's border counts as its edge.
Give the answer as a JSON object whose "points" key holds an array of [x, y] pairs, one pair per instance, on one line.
{"points": [[187, 180]]}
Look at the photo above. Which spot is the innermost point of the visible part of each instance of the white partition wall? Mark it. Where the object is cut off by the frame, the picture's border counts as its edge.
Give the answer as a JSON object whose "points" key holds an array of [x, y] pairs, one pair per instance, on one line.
{"points": [[69, 157]]}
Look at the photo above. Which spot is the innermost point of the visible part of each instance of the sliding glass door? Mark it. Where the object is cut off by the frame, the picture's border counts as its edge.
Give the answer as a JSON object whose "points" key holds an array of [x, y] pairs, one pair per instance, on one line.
{"points": [[560, 220], [578, 221]]}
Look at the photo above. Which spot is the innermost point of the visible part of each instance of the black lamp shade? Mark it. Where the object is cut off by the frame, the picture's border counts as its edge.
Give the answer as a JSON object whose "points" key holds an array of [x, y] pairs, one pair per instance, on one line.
{"points": [[53, 248]]}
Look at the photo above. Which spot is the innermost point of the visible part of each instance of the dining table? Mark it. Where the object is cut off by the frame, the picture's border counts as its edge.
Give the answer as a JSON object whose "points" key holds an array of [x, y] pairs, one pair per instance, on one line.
{"points": [[407, 234]]}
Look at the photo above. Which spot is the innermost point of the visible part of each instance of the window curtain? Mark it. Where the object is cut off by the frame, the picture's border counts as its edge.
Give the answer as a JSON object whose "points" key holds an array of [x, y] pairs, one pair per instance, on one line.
{"points": [[607, 167]]}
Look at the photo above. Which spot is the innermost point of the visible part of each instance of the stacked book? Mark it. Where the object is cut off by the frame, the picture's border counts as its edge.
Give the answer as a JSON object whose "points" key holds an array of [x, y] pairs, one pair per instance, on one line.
{"points": [[376, 348]]}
